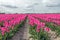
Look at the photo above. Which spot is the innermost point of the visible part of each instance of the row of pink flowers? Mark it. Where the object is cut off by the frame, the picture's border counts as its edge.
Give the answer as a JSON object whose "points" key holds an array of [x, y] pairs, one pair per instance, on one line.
{"points": [[33, 21], [8, 21], [54, 18]]}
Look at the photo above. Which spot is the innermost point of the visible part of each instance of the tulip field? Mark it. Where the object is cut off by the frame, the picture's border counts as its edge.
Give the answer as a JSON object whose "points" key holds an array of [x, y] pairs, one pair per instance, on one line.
{"points": [[40, 25], [9, 24]]}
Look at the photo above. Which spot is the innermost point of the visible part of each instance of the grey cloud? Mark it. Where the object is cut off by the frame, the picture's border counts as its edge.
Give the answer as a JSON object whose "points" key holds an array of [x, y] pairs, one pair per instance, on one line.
{"points": [[9, 6]]}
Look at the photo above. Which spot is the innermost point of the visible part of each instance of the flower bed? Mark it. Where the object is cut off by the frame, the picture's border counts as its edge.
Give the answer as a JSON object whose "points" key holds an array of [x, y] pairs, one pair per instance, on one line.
{"points": [[38, 30], [9, 24], [41, 24]]}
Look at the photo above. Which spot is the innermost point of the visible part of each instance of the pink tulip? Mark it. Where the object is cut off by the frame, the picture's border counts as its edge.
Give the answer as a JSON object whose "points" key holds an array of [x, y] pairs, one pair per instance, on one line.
{"points": [[47, 29], [3, 33], [42, 24], [38, 27], [3, 30], [31, 23]]}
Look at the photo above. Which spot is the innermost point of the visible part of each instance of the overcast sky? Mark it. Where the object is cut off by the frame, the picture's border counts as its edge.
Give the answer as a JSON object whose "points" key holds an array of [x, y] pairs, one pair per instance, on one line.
{"points": [[30, 6]]}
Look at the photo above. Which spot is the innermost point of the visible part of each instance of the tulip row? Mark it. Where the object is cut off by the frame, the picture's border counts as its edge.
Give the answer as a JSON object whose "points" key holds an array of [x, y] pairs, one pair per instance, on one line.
{"points": [[46, 22], [49, 18], [33, 21], [9, 24], [39, 29], [54, 18]]}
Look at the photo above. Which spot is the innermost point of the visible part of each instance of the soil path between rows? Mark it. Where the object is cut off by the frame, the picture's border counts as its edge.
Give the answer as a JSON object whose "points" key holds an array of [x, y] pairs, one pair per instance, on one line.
{"points": [[23, 33]]}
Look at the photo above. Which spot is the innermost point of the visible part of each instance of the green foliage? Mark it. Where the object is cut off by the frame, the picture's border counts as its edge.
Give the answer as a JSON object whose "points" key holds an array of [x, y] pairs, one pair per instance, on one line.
{"points": [[0, 36], [42, 35], [54, 28]]}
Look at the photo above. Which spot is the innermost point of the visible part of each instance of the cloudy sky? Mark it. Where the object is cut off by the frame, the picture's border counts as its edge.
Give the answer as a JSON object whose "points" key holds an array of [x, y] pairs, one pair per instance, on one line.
{"points": [[30, 6]]}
